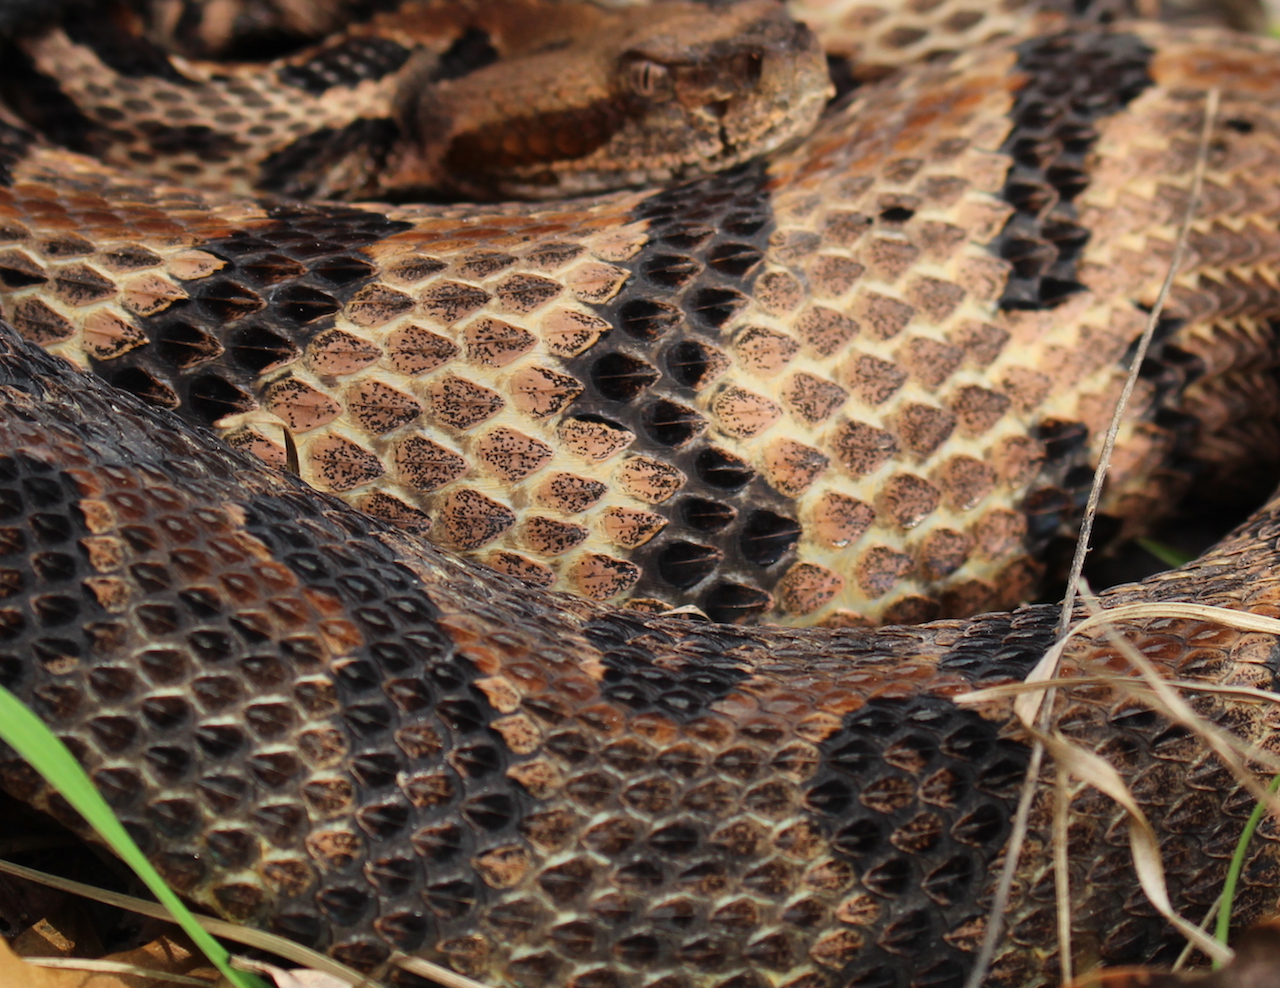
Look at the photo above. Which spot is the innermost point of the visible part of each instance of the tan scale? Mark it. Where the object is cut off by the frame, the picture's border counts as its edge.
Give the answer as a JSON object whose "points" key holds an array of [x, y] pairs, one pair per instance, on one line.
{"points": [[870, 354]]}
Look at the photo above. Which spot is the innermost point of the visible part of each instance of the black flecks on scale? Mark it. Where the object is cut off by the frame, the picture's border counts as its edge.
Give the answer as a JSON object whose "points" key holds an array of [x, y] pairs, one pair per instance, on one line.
{"points": [[1074, 79], [707, 240], [284, 281]]}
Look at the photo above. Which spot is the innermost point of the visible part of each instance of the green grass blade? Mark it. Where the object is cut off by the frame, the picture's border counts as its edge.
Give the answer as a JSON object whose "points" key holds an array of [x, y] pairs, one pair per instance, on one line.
{"points": [[1167, 554], [1223, 928], [27, 735]]}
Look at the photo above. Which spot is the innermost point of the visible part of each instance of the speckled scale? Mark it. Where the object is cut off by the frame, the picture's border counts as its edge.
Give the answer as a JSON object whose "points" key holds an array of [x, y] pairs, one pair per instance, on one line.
{"points": [[709, 239], [377, 747], [748, 394], [1077, 77], [413, 753]]}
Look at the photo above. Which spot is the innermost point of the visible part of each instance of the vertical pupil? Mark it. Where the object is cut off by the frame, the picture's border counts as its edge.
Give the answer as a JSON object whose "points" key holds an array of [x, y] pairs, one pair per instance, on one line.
{"points": [[646, 75]]}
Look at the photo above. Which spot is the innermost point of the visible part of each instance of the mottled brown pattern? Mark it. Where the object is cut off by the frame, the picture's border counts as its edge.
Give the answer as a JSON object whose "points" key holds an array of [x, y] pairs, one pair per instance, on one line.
{"points": [[432, 759], [407, 386], [509, 97], [665, 397]]}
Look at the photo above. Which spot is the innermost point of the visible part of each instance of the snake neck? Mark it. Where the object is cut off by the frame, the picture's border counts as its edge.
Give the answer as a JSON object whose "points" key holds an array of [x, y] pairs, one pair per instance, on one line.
{"points": [[519, 98]]}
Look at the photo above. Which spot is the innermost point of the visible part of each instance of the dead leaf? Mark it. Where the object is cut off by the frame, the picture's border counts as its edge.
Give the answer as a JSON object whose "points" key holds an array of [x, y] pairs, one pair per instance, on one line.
{"points": [[162, 956]]}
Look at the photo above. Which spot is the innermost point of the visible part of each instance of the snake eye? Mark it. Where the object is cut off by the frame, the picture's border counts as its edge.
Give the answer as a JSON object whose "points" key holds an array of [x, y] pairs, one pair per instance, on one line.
{"points": [[647, 78]]}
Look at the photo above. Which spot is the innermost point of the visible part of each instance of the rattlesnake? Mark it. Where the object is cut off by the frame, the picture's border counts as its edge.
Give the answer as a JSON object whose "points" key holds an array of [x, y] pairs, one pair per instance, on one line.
{"points": [[314, 720]]}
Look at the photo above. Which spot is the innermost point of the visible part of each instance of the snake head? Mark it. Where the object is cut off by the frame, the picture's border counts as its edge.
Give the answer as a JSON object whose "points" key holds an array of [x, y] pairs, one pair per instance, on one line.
{"points": [[628, 97], [726, 98]]}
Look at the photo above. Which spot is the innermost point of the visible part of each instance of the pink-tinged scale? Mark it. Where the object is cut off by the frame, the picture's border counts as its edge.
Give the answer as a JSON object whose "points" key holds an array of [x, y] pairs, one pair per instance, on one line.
{"points": [[107, 336], [41, 324], [460, 403], [336, 352], [449, 301], [550, 536], [600, 577], [742, 414], [494, 343], [190, 265], [594, 440], [811, 398], [424, 465], [879, 570], [541, 392], [764, 351], [380, 408], [341, 465], [568, 332], [467, 519], [648, 480], [594, 282], [630, 528], [522, 294], [839, 520], [299, 405], [792, 467], [148, 294], [416, 351], [511, 455], [522, 568], [569, 493], [376, 305], [79, 284]]}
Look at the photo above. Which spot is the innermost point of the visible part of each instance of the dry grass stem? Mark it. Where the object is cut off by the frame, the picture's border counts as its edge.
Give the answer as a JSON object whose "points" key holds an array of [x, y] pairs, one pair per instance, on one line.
{"points": [[1144, 846], [1046, 669], [1061, 874], [1040, 705], [117, 967], [287, 949], [1162, 695], [92, 966], [1230, 749], [1242, 694], [445, 978], [1212, 99], [1189, 948], [270, 942]]}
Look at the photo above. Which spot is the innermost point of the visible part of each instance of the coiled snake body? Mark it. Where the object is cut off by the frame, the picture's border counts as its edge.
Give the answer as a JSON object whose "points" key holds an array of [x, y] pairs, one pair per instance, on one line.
{"points": [[315, 721]]}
